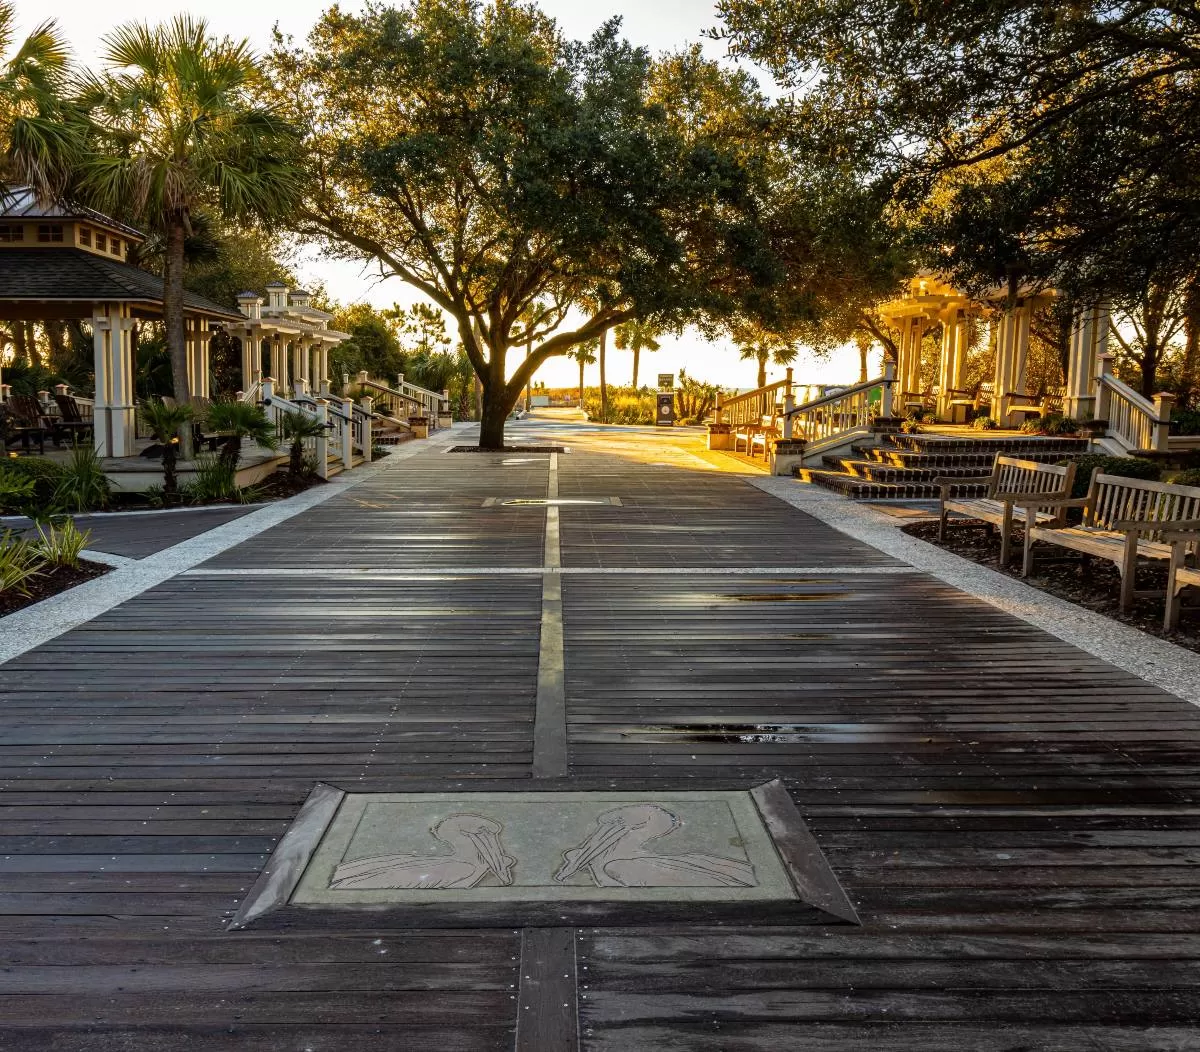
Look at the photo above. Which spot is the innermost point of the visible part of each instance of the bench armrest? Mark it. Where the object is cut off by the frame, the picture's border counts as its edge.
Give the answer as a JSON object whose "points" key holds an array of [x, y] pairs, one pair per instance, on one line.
{"points": [[1024, 497], [1165, 526]]}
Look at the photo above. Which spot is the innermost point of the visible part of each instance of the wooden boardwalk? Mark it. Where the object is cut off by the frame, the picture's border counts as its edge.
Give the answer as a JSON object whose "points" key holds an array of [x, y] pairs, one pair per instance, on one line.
{"points": [[1016, 821]]}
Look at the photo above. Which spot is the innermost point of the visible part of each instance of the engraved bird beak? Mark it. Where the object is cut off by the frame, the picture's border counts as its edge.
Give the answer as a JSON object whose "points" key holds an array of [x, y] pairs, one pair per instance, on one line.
{"points": [[597, 844], [487, 846]]}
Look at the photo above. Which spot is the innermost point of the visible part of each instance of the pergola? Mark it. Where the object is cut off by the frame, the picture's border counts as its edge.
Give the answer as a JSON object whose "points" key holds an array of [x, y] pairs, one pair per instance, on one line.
{"points": [[928, 301], [286, 339]]}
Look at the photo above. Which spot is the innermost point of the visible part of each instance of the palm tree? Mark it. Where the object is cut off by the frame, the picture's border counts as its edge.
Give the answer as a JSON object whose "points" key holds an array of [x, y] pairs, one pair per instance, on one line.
{"points": [[37, 143], [637, 336], [167, 424], [297, 428], [237, 421], [584, 354], [179, 121], [765, 350]]}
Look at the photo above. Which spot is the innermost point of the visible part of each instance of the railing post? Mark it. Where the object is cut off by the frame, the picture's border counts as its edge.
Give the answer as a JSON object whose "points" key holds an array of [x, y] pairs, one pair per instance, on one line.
{"points": [[1163, 403], [719, 409], [885, 396], [348, 432], [1103, 394], [322, 443], [788, 405], [363, 377], [268, 388]]}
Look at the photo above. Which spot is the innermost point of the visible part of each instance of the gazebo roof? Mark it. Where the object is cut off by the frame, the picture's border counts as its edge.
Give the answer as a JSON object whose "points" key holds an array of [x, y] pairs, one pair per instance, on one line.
{"points": [[70, 275], [20, 202]]}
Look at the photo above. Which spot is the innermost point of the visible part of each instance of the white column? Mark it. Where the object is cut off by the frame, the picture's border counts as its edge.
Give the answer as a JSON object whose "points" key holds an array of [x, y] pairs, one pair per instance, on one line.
{"points": [[121, 415], [1012, 349], [297, 387], [948, 362], [248, 344], [1089, 339], [278, 366], [101, 354]]}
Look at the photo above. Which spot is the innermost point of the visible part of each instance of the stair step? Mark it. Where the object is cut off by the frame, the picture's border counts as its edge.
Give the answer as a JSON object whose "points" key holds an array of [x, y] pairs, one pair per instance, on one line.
{"points": [[874, 471], [1013, 445], [980, 461], [865, 489]]}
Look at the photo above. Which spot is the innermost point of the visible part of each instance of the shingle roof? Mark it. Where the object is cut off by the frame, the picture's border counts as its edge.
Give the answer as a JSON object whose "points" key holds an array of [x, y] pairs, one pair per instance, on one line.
{"points": [[20, 202], [73, 275]]}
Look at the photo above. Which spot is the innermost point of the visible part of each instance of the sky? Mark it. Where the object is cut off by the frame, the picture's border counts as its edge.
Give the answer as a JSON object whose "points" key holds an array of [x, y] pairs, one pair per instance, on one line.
{"points": [[657, 24]]}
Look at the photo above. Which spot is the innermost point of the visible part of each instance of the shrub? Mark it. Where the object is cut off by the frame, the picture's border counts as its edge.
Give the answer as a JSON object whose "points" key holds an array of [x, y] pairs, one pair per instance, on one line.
{"points": [[1033, 427], [45, 476], [1126, 467], [1061, 425], [911, 425], [1185, 421], [15, 493], [984, 423], [83, 485], [1190, 477], [19, 562], [62, 544], [214, 480]]}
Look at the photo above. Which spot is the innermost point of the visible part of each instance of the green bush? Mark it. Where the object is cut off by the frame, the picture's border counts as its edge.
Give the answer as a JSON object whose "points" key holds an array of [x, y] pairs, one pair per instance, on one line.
{"points": [[984, 423], [1185, 421], [19, 562], [1190, 477], [624, 407], [1125, 467], [83, 486], [1051, 424], [45, 476], [61, 544], [214, 480]]}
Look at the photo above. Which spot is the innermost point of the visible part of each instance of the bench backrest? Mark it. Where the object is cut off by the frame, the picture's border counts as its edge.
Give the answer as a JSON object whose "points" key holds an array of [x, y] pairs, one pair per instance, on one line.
{"points": [[1112, 498], [1010, 475], [69, 409], [25, 410]]}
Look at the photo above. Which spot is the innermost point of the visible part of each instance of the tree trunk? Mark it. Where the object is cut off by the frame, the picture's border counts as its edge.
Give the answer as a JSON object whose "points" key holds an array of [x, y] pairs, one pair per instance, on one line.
{"points": [[581, 365], [762, 370], [603, 381], [20, 354], [863, 351], [1191, 352], [493, 417], [173, 322], [637, 354]]}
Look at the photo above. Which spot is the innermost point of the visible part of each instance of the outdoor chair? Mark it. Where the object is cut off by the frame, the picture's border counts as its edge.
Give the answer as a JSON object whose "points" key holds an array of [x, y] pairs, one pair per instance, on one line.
{"points": [[26, 421], [70, 420]]}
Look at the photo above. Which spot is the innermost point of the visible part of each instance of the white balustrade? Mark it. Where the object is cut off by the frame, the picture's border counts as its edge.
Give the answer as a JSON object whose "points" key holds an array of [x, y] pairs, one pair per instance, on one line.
{"points": [[1134, 421]]}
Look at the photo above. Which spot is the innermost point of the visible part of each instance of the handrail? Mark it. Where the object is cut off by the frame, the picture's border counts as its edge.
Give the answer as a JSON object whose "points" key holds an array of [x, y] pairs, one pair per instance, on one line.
{"points": [[375, 385], [727, 402], [817, 403], [1134, 422], [254, 394], [837, 414]]}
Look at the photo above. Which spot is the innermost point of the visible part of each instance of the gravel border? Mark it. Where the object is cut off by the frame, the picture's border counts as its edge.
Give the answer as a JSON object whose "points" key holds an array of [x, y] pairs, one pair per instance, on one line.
{"points": [[1163, 664]]}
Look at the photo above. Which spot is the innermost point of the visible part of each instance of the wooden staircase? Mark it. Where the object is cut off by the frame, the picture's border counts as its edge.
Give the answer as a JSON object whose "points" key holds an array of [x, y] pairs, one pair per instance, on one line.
{"points": [[903, 466]]}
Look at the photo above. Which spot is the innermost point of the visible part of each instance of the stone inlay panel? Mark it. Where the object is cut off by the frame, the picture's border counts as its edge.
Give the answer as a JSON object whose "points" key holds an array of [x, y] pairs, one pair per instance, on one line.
{"points": [[426, 853]]}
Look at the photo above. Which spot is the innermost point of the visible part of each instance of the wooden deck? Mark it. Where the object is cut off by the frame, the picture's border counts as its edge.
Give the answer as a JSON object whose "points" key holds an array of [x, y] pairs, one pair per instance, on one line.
{"points": [[1016, 821]]}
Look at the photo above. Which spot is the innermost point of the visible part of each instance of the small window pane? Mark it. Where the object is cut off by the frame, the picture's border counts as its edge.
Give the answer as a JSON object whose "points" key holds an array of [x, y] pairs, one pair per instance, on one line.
{"points": [[116, 246], [48, 232], [101, 242], [12, 232], [85, 236]]}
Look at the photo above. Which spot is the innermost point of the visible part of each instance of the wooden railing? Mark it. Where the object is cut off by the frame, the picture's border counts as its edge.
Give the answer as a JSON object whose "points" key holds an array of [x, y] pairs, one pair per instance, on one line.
{"points": [[276, 407], [848, 410], [254, 395], [754, 408], [393, 402], [1134, 422]]}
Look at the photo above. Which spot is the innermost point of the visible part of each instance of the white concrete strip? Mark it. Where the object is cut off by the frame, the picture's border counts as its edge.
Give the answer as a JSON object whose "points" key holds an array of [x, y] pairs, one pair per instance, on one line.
{"points": [[416, 573], [550, 708], [1163, 664], [37, 624], [107, 558], [105, 516]]}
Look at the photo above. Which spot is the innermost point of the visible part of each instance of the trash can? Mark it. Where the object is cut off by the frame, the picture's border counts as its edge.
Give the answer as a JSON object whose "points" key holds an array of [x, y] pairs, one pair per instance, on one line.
{"points": [[665, 417]]}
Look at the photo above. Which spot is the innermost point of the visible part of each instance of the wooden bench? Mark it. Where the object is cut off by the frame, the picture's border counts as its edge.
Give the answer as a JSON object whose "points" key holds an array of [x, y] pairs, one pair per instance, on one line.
{"points": [[1123, 520], [1037, 405], [1184, 538], [1011, 480]]}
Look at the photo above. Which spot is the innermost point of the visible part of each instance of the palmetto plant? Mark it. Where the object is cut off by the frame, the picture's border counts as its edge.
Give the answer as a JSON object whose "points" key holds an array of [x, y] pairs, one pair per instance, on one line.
{"points": [[238, 421], [637, 336], [584, 354], [37, 145], [297, 428], [766, 350], [179, 121], [165, 423]]}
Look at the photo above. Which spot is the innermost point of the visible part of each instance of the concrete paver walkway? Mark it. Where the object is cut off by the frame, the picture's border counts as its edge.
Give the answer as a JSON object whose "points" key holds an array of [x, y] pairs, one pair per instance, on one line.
{"points": [[1015, 819]]}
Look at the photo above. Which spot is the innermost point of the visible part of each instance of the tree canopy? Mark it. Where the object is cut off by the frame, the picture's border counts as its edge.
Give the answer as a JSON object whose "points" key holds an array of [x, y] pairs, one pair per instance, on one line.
{"points": [[475, 152]]}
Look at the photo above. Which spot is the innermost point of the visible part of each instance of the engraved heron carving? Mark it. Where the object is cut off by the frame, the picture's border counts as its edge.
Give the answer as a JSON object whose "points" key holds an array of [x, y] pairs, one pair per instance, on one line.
{"points": [[616, 855], [475, 854]]}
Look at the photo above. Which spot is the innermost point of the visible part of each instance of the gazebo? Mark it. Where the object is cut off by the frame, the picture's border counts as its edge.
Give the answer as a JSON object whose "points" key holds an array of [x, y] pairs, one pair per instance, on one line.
{"points": [[286, 339], [62, 263], [928, 301]]}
